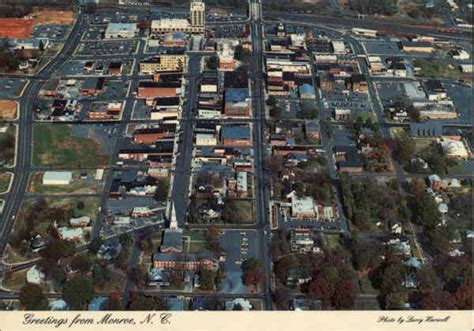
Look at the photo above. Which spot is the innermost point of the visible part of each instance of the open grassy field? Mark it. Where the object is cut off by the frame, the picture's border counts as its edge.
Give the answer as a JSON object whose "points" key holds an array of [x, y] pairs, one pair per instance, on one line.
{"points": [[437, 69], [5, 178], [54, 145]]}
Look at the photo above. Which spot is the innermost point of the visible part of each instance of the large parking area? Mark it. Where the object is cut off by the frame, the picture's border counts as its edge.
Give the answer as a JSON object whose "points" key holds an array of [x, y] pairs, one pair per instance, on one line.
{"points": [[11, 88], [119, 47], [51, 31], [238, 246]]}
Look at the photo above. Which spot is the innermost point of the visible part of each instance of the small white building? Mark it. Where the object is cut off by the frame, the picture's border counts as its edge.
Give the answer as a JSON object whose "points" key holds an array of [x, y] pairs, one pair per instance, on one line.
{"points": [[34, 276], [80, 222], [206, 139], [57, 178], [243, 303], [303, 207], [70, 233]]}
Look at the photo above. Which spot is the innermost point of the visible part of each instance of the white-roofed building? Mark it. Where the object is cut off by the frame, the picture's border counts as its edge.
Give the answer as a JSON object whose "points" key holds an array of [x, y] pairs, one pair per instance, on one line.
{"points": [[70, 233], [303, 207], [34, 276], [121, 31], [454, 148], [57, 178]]}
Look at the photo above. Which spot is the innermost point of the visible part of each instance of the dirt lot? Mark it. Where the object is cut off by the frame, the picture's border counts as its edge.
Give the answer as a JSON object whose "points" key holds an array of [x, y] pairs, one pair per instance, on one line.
{"points": [[53, 17], [16, 27], [23, 27], [8, 109]]}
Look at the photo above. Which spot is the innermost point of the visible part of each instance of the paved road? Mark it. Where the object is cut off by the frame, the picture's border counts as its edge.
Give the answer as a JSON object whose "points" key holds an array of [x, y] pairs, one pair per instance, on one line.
{"points": [[262, 193], [182, 172], [25, 132]]}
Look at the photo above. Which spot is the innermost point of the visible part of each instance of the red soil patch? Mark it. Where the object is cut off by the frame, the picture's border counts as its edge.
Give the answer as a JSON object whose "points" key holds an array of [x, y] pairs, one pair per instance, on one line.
{"points": [[16, 27]]}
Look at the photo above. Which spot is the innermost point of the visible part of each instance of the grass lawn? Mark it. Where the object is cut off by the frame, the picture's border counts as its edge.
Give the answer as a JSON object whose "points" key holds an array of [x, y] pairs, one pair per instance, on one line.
{"points": [[8, 146], [195, 235], [245, 210], [54, 145], [116, 282], [365, 285], [436, 69], [333, 241], [78, 185], [16, 280], [256, 304], [5, 178], [422, 144]]}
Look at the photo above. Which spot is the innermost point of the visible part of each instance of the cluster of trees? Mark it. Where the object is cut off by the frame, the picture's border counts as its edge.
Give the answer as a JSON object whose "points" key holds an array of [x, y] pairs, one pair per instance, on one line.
{"points": [[315, 185], [242, 54], [236, 213], [143, 302], [252, 272], [8, 61], [15, 11], [78, 291], [212, 62], [161, 193], [212, 240], [426, 214], [332, 279], [39, 212], [372, 7], [367, 202], [307, 111], [7, 141], [436, 158]]}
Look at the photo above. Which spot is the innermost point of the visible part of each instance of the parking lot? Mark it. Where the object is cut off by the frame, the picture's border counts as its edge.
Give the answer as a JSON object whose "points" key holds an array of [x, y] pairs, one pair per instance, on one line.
{"points": [[50, 31], [11, 88], [94, 32], [238, 246], [118, 47]]}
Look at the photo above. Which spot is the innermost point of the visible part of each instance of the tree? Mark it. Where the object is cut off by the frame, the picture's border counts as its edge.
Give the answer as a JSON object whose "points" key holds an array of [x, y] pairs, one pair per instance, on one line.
{"points": [[281, 298], [81, 263], [252, 271], [405, 148], [395, 301], [81, 205], [113, 302], [146, 245], [32, 298], [143, 302], [437, 300], [78, 292], [161, 193], [463, 296], [212, 62], [53, 251], [344, 294], [427, 278], [252, 277], [272, 101], [59, 276], [319, 289], [207, 279], [95, 245], [392, 278]]}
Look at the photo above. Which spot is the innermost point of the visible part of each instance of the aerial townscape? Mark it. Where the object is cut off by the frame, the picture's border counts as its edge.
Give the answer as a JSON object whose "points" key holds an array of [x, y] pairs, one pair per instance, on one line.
{"points": [[213, 155]]}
